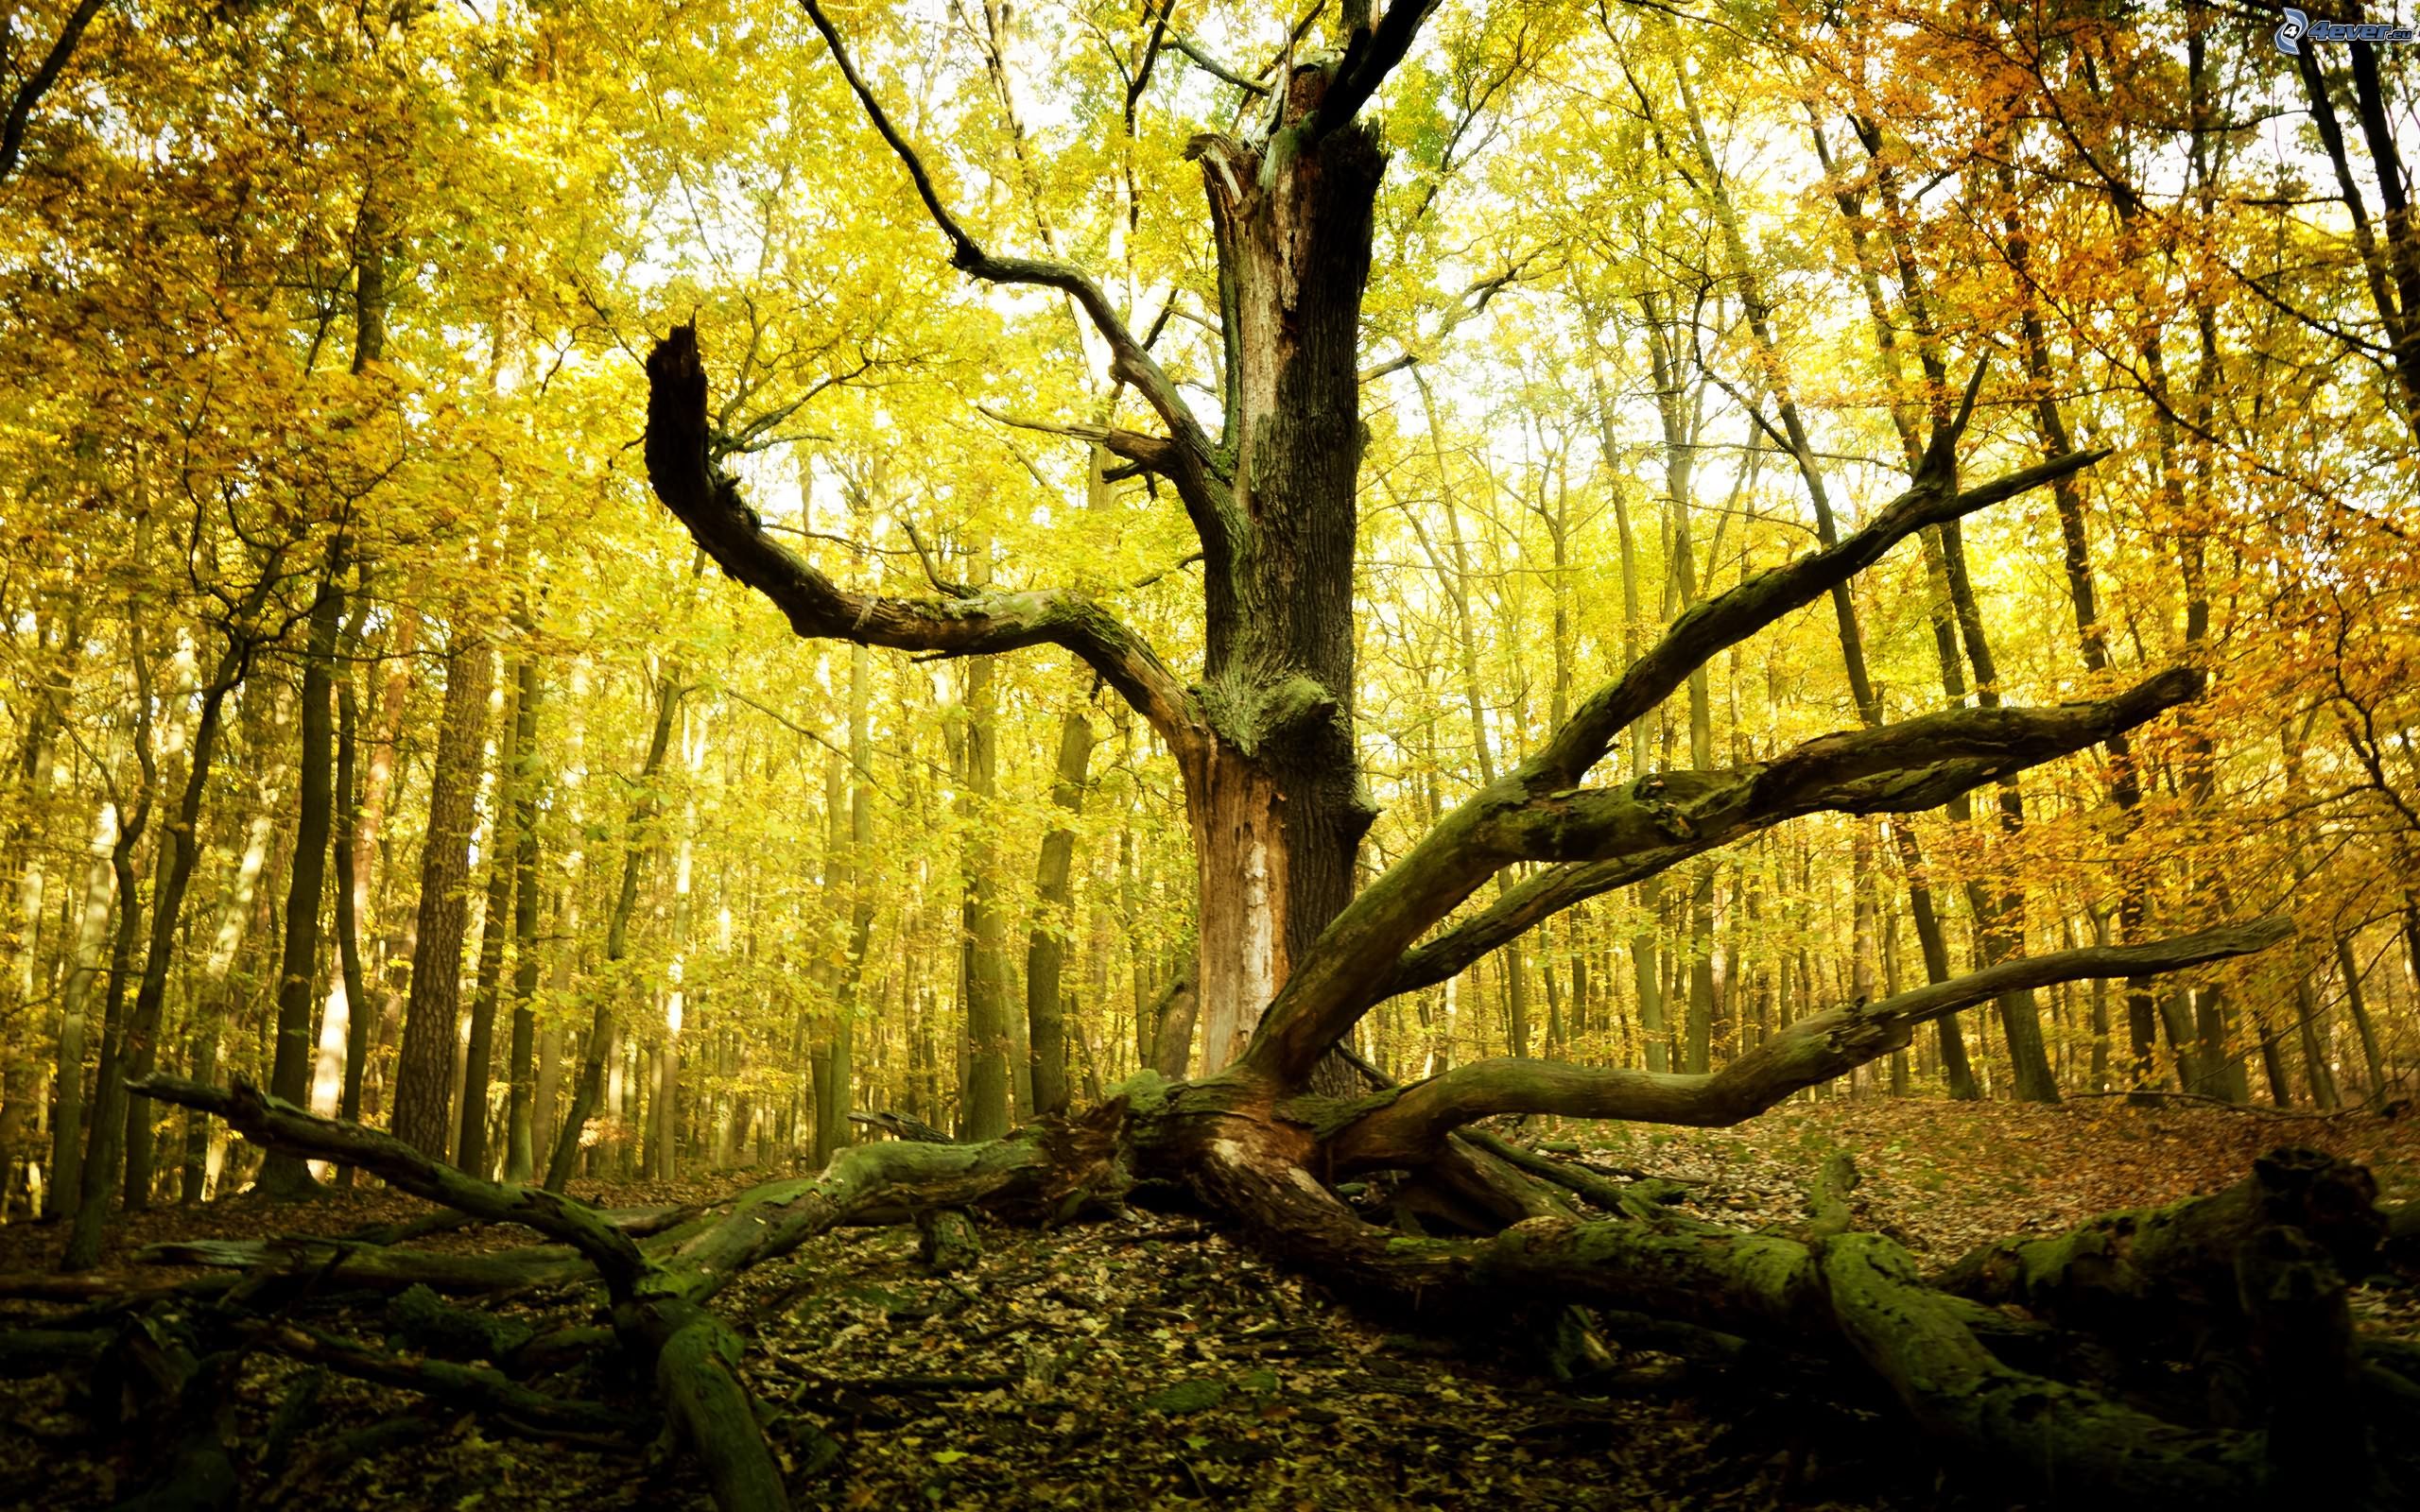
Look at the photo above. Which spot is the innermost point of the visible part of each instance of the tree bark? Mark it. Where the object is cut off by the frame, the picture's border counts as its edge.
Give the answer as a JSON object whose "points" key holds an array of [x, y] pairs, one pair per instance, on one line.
{"points": [[1046, 945], [520, 1157], [281, 1174], [423, 1075]]}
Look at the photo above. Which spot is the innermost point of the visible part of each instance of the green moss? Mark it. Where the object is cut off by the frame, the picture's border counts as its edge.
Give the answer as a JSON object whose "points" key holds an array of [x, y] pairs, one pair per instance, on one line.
{"points": [[1186, 1396]]}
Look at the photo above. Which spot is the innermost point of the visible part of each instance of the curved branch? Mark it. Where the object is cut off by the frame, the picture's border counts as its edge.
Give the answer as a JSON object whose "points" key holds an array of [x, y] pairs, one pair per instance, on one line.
{"points": [[1629, 833], [707, 501], [268, 1122], [1404, 1127], [1903, 769], [1128, 362], [1938, 757]]}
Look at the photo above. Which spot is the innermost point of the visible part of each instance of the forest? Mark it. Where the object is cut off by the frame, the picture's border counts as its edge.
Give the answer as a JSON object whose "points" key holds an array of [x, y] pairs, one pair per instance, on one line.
{"points": [[1119, 753]]}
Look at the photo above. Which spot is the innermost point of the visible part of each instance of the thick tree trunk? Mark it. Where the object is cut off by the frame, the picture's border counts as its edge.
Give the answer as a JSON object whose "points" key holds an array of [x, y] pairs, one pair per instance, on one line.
{"points": [[1276, 802], [424, 1073]]}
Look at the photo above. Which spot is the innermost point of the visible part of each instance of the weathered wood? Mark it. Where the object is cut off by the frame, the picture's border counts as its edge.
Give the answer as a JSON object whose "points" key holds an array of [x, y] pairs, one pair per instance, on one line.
{"points": [[946, 1241], [2170, 1272]]}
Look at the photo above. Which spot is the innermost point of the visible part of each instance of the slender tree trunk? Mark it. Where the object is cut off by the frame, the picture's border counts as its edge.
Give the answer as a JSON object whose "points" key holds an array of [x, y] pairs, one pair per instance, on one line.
{"points": [[1047, 946], [350, 889], [598, 1055], [108, 1094], [496, 927], [986, 1109], [2357, 1004], [519, 1158], [424, 1073], [173, 874], [283, 1174], [67, 1123]]}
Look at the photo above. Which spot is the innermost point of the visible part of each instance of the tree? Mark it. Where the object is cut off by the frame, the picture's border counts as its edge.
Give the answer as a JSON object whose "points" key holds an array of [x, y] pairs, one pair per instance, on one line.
{"points": [[424, 1078], [1321, 559], [1291, 957]]}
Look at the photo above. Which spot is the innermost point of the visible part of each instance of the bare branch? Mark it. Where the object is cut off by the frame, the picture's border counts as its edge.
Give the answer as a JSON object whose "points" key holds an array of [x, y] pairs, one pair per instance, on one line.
{"points": [[1153, 453], [1722, 622], [1212, 66], [1404, 1127], [1128, 362], [707, 501], [37, 83]]}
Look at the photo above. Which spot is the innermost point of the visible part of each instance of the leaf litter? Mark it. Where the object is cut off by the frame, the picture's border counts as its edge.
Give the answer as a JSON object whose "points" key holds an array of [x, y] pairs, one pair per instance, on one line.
{"points": [[1147, 1361]]}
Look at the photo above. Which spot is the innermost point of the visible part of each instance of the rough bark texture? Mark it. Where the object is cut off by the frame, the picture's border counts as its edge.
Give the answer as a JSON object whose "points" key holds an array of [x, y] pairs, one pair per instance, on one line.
{"points": [[423, 1075]]}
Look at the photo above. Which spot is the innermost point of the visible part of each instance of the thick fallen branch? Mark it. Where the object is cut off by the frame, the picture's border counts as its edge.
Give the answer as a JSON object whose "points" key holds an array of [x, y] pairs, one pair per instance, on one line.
{"points": [[2168, 1274], [1842, 1293], [1045, 1171], [335, 1262], [480, 1387], [1403, 1126]]}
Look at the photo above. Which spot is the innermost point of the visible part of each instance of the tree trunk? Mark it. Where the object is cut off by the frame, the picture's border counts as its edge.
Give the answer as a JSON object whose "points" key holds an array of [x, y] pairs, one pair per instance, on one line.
{"points": [[495, 924], [172, 875], [109, 1088], [351, 892], [283, 1176], [425, 1072], [598, 1056], [1275, 798], [520, 1157], [984, 1114], [1046, 945], [849, 875], [84, 965]]}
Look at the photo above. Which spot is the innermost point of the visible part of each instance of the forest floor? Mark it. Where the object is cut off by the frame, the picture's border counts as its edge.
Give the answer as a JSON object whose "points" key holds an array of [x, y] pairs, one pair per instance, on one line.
{"points": [[1148, 1361]]}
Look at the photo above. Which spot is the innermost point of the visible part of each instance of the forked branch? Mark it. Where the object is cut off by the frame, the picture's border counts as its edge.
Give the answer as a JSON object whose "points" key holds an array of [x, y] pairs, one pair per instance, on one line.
{"points": [[1369, 57], [1128, 362], [707, 501], [1359, 950]]}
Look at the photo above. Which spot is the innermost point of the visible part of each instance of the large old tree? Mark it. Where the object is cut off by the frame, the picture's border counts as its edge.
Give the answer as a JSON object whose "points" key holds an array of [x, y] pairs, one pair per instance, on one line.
{"points": [[1292, 956]]}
